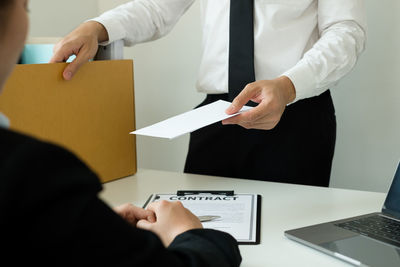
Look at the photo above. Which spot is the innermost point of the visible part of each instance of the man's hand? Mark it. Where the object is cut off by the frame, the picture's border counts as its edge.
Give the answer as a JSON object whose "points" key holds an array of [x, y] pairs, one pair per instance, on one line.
{"points": [[172, 219], [272, 96], [133, 214], [82, 42]]}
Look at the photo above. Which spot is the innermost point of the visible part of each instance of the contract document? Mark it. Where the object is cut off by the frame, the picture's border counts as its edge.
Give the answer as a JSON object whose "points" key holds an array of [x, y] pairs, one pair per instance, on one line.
{"points": [[238, 215], [189, 121]]}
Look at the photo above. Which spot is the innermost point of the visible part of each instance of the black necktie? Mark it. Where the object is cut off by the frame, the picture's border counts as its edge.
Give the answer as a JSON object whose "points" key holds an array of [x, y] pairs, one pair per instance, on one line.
{"points": [[241, 46]]}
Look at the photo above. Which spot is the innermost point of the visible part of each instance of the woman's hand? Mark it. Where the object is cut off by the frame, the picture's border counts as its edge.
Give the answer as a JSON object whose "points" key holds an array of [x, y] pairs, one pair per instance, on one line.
{"points": [[172, 219]]}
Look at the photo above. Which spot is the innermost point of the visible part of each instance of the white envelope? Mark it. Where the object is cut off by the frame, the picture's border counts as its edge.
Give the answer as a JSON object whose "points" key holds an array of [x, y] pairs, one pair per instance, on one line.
{"points": [[189, 121]]}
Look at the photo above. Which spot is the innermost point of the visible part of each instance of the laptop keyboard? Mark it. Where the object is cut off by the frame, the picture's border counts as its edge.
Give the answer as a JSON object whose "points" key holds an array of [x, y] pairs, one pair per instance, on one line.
{"points": [[377, 227]]}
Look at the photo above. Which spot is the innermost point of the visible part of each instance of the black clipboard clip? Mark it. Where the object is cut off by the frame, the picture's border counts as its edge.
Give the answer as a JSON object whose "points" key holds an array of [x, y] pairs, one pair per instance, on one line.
{"points": [[212, 192]]}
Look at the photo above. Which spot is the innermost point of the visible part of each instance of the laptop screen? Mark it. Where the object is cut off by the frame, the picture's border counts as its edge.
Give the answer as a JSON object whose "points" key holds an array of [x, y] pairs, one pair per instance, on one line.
{"points": [[392, 202]]}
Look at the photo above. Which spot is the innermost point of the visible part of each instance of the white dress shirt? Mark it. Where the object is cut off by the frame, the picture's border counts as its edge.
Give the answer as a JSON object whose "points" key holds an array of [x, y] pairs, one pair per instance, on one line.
{"points": [[313, 42]]}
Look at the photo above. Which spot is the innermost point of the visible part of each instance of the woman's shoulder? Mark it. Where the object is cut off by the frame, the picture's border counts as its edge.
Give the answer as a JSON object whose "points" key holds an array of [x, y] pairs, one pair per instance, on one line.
{"points": [[22, 155]]}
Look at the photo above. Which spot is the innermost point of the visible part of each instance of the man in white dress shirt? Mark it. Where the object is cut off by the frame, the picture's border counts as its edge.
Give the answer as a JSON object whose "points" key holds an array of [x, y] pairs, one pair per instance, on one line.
{"points": [[283, 55]]}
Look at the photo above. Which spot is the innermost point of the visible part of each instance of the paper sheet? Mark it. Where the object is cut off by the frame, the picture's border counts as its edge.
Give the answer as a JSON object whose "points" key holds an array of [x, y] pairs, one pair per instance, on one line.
{"points": [[238, 213], [189, 121]]}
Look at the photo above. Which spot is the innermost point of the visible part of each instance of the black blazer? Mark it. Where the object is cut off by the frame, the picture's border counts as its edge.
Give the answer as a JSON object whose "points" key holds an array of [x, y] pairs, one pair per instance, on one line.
{"points": [[49, 202]]}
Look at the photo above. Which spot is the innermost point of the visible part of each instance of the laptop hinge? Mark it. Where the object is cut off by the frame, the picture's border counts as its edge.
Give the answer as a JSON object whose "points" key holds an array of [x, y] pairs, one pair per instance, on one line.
{"points": [[389, 217]]}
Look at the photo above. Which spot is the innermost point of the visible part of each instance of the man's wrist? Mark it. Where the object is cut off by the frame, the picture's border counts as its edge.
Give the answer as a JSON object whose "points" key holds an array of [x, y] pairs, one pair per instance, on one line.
{"points": [[289, 89], [99, 30]]}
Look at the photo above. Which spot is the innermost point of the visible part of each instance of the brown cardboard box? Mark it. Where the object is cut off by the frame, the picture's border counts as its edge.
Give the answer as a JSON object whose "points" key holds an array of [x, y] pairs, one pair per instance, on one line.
{"points": [[91, 115]]}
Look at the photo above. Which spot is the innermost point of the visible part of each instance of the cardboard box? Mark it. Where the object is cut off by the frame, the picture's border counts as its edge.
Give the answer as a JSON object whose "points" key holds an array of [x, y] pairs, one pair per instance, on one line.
{"points": [[91, 115]]}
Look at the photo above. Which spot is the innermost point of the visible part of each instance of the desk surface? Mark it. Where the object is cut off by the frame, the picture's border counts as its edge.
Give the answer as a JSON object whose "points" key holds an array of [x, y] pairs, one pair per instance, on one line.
{"points": [[284, 207]]}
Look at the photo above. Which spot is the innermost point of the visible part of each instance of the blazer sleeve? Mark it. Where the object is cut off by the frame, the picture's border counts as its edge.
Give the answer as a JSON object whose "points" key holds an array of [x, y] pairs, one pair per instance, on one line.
{"points": [[61, 209]]}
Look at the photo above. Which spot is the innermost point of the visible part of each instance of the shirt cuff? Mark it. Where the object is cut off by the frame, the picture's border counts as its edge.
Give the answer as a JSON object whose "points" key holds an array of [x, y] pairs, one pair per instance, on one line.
{"points": [[303, 79], [114, 30]]}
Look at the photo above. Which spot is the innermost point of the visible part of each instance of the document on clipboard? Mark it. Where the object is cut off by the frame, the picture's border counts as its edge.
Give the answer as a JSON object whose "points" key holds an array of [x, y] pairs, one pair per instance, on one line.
{"points": [[236, 214]]}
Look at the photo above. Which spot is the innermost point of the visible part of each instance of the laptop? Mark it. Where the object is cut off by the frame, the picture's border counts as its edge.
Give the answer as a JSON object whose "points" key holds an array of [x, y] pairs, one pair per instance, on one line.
{"points": [[367, 240]]}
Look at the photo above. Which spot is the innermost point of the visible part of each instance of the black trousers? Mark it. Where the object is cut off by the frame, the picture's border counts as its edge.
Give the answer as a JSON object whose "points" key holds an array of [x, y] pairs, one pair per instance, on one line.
{"points": [[298, 150]]}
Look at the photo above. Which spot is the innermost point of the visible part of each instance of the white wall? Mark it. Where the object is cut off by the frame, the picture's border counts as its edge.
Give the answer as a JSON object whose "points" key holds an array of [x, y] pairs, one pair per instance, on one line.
{"points": [[368, 107], [367, 101], [54, 18]]}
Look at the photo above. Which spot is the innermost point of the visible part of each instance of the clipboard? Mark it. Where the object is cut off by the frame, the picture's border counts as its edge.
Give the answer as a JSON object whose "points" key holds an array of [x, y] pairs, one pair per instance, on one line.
{"points": [[236, 214]]}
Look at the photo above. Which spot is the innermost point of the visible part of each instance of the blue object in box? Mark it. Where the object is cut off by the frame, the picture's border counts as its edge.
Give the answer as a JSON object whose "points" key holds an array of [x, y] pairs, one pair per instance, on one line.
{"points": [[38, 54]]}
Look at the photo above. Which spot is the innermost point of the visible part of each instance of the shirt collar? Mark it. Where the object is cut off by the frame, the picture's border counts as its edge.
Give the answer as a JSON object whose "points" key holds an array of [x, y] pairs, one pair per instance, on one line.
{"points": [[4, 121]]}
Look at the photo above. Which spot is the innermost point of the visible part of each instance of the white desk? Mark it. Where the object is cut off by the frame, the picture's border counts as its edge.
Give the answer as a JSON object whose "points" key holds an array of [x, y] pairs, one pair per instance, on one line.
{"points": [[284, 207]]}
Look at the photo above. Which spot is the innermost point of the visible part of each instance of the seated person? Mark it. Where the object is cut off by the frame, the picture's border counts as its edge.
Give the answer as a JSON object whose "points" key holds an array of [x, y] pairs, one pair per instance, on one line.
{"points": [[49, 200]]}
